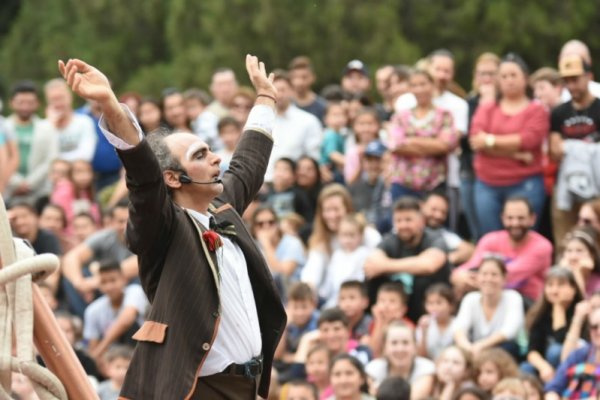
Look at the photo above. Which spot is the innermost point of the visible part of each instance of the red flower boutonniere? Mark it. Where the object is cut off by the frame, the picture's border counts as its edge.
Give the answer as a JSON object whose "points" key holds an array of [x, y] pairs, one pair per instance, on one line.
{"points": [[212, 239]]}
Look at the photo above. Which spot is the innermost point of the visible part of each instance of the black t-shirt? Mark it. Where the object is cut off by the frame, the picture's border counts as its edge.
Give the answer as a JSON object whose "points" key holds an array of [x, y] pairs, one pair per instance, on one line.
{"points": [[316, 108], [393, 247], [46, 242], [577, 124]]}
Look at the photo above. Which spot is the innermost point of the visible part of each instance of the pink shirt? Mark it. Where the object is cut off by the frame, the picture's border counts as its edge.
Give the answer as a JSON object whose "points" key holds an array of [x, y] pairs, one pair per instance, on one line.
{"points": [[532, 124], [526, 264], [64, 195]]}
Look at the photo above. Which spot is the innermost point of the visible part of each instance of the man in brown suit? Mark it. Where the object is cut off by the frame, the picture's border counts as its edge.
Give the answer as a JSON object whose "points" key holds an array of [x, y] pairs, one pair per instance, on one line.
{"points": [[216, 317]]}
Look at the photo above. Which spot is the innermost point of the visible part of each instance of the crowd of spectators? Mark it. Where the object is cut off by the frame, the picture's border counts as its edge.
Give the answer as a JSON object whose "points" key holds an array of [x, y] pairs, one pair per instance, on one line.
{"points": [[440, 243]]}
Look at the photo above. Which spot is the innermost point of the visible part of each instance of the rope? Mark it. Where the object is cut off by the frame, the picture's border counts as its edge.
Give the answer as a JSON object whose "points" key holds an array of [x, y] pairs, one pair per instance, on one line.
{"points": [[18, 263]]}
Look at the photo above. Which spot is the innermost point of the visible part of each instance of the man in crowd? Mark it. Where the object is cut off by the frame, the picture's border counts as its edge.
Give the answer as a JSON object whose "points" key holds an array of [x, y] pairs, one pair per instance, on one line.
{"points": [[574, 125], [296, 132], [527, 254], [24, 223], [35, 144], [383, 76], [302, 77], [199, 266], [412, 255], [356, 78], [223, 87], [576, 47]]}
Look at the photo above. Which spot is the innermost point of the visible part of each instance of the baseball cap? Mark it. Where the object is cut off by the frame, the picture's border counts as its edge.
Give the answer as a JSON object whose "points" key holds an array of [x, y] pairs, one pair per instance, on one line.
{"points": [[375, 149], [356, 65], [572, 65]]}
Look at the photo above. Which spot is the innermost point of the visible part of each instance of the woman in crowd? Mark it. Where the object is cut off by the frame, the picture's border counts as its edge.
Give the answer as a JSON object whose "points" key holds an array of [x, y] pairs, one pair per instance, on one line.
{"points": [[491, 316], [507, 137], [581, 256], [485, 88], [400, 359], [173, 111], [333, 204], [548, 321], [150, 115], [348, 379], [308, 187], [284, 253], [420, 140]]}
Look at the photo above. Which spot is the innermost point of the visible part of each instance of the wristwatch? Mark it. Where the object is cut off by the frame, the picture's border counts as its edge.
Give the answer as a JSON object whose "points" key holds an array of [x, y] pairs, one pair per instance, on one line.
{"points": [[490, 140]]}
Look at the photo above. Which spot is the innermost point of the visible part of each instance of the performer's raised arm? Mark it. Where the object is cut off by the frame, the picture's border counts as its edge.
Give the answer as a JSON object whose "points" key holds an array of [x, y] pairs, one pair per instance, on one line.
{"points": [[91, 84]]}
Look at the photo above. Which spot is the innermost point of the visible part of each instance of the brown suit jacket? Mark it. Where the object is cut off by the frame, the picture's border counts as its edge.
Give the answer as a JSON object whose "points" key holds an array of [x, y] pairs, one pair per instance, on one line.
{"points": [[178, 273]]}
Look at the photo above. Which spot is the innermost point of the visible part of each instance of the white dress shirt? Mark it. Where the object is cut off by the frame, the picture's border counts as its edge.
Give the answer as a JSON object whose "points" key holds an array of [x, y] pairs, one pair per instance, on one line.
{"points": [[238, 336]]}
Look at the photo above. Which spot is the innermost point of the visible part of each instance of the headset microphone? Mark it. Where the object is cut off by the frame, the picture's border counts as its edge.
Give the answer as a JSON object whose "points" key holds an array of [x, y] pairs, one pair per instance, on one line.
{"points": [[184, 179]]}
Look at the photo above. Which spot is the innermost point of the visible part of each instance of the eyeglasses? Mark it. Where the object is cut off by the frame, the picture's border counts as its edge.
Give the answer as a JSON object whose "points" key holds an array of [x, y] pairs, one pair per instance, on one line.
{"points": [[267, 222]]}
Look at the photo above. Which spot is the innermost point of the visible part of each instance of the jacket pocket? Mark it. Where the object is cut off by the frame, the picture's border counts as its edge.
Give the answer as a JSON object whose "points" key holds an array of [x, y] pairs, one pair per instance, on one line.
{"points": [[151, 331]]}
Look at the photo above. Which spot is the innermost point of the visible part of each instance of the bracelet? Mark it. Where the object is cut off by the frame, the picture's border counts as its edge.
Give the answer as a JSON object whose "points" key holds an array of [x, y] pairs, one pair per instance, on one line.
{"points": [[490, 140], [267, 96]]}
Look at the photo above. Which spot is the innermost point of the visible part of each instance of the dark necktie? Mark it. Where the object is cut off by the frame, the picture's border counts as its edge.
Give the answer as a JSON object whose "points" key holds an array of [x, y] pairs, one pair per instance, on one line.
{"points": [[223, 228]]}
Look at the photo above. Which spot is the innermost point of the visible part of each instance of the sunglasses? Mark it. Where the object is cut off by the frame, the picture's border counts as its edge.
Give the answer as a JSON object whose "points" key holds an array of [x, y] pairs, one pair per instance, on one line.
{"points": [[268, 222]]}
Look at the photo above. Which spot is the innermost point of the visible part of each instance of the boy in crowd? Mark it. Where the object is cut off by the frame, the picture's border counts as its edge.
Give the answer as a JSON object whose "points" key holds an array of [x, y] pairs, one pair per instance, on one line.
{"points": [[302, 318], [230, 132], [300, 390], [116, 315], [335, 333], [353, 301], [391, 305], [302, 77], [117, 360], [547, 86]]}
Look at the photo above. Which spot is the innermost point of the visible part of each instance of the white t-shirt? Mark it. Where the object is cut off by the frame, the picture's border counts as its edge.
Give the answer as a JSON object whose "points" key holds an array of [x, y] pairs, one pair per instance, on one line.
{"points": [[77, 140], [507, 320], [379, 367], [344, 266]]}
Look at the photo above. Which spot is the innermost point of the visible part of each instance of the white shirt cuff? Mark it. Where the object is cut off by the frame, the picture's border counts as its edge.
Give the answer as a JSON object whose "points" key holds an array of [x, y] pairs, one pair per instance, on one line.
{"points": [[261, 118], [115, 140]]}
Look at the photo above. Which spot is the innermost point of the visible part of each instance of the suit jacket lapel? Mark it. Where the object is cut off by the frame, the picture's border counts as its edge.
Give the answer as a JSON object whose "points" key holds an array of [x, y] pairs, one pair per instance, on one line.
{"points": [[211, 257]]}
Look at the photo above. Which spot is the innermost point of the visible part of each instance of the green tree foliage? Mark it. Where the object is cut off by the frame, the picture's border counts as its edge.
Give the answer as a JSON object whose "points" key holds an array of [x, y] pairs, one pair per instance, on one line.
{"points": [[152, 44]]}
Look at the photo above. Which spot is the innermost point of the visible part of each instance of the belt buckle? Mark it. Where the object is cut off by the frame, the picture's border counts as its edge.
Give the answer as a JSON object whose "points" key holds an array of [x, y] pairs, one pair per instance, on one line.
{"points": [[252, 368]]}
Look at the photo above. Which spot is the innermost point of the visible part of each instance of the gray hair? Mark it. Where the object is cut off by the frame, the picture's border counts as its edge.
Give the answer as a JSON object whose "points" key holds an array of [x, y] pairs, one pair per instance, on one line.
{"points": [[166, 160]]}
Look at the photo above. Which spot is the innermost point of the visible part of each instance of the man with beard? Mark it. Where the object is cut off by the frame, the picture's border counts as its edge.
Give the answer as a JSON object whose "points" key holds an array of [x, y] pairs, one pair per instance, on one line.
{"points": [[527, 254], [412, 255], [435, 210]]}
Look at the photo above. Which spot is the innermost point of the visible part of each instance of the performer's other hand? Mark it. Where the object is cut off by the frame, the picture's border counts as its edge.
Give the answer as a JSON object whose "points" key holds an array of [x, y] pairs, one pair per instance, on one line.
{"points": [[263, 83], [86, 80]]}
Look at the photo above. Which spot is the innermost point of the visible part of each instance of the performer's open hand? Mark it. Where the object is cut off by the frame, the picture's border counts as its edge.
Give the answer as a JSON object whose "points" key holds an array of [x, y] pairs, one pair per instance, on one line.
{"points": [[85, 80], [263, 83]]}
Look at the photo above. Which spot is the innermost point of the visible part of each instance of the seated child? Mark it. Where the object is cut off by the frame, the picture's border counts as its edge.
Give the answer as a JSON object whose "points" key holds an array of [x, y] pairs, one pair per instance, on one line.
{"points": [[391, 305], [353, 300], [117, 360]]}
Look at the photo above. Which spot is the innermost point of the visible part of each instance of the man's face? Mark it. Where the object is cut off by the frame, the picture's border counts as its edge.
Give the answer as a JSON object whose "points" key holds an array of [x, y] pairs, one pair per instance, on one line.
{"points": [[285, 94], [442, 70], [355, 82], [435, 211], [302, 79], [118, 220], [382, 77], [201, 164], [24, 105], [577, 86], [517, 220], [23, 222], [223, 87], [409, 225], [59, 99], [83, 227]]}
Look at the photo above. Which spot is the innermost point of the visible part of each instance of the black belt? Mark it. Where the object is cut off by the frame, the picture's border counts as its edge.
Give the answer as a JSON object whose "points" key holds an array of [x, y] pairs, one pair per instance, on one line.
{"points": [[250, 369]]}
